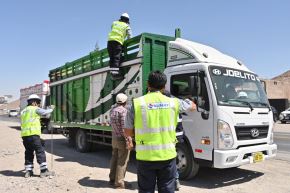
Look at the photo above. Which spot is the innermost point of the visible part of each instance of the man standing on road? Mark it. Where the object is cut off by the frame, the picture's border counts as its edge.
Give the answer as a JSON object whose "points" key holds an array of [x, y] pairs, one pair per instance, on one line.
{"points": [[120, 154], [30, 133], [120, 31], [153, 119]]}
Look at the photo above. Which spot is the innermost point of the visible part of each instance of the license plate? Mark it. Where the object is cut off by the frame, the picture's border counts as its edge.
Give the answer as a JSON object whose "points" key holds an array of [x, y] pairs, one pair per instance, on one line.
{"points": [[258, 157]]}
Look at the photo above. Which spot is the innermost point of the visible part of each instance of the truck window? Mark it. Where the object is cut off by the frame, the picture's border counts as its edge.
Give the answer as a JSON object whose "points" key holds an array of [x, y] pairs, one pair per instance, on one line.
{"points": [[234, 87], [180, 88]]}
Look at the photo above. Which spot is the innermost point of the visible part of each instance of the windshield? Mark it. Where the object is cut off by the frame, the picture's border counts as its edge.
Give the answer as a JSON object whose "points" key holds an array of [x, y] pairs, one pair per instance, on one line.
{"points": [[237, 88]]}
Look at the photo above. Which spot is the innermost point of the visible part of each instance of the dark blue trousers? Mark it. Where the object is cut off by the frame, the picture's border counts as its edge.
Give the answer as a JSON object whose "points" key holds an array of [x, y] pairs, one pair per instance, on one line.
{"points": [[33, 144], [162, 172]]}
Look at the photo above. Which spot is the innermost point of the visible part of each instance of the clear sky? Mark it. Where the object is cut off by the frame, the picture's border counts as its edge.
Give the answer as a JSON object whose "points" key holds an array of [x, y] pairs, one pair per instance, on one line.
{"points": [[37, 36]]}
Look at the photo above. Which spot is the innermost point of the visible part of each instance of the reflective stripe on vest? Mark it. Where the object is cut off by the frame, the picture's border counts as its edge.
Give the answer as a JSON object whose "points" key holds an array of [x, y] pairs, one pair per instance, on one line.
{"points": [[119, 32], [30, 122], [155, 122], [155, 147], [154, 130]]}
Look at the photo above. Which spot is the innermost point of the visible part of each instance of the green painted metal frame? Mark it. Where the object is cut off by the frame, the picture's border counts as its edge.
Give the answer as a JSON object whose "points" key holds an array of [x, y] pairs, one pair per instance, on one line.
{"points": [[70, 97]]}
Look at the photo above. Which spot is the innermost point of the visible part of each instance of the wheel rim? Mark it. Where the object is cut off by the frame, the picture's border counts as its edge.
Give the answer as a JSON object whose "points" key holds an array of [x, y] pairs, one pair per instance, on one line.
{"points": [[181, 160], [81, 141]]}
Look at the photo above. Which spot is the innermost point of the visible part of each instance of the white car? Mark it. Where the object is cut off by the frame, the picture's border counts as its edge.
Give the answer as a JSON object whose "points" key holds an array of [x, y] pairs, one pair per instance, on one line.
{"points": [[285, 116], [13, 113]]}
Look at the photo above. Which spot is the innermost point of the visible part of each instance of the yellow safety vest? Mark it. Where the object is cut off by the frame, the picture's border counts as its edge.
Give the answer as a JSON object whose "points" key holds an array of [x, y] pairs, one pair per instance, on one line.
{"points": [[155, 122], [30, 122], [119, 32]]}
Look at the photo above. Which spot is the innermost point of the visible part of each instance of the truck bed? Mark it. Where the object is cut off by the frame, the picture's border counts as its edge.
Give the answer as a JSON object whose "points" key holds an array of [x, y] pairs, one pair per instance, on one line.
{"points": [[84, 92]]}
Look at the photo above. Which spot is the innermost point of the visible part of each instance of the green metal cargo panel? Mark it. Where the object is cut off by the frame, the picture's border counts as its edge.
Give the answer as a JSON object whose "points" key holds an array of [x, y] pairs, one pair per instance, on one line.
{"points": [[83, 90]]}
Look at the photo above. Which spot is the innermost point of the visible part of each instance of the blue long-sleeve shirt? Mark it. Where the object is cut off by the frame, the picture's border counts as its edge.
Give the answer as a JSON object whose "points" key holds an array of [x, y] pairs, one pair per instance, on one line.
{"points": [[43, 112]]}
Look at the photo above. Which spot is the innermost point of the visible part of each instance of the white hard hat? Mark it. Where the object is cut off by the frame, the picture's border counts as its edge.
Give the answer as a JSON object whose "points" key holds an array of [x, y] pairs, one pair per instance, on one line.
{"points": [[121, 98], [125, 15], [33, 96], [242, 95]]}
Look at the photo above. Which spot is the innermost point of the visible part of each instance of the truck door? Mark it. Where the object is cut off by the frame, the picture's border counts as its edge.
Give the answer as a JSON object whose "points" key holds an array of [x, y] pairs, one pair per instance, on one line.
{"points": [[198, 125]]}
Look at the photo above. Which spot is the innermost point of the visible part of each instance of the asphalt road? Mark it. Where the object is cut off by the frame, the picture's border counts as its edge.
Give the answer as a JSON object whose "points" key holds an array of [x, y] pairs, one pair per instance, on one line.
{"points": [[7, 118], [282, 139]]}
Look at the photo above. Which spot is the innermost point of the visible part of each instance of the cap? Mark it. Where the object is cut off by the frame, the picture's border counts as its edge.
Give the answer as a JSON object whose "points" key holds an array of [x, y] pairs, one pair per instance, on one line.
{"points": [[121, 98], [242, 95]]}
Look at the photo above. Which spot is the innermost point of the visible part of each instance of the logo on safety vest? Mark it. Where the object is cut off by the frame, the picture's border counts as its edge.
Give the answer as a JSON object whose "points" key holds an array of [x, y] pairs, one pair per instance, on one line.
{"points": [[158, 106]]}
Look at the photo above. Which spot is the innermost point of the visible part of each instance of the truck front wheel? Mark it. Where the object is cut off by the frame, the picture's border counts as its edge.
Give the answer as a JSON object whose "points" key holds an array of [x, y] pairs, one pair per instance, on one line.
{"points": [[185, 163], [82, 143]]}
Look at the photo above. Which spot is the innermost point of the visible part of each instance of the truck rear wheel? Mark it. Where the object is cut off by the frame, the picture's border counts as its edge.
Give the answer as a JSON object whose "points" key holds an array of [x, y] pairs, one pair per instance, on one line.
{"points": [[71, 137], [82, 143], [185, 162]]}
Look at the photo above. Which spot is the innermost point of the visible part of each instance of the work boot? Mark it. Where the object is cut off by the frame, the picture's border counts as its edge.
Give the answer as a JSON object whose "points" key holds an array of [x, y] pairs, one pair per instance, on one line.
{"points": [[177, 184], [112, 182], [116, 75], [45, 173], [123, 186], [28, 174]]}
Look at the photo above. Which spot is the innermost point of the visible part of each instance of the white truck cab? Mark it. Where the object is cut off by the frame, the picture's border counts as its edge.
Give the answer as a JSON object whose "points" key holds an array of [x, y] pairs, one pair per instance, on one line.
{"points": [[233, 124]]}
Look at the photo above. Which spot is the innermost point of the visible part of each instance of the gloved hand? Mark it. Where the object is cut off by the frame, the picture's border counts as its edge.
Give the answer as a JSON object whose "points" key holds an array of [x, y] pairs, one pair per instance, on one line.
{"points": [[52, 107]]}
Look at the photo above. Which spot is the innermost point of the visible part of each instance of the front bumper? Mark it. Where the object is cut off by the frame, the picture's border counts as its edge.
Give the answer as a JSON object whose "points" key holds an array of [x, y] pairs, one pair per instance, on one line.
{"points": [[243, 155]]}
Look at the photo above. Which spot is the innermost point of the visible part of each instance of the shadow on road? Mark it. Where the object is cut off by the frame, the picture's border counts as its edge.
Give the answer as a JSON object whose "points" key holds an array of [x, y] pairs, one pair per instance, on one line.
{"points": [[12, 173], [86, 181], [15, 127], [208, 178], [211, 178], [99, 157]]}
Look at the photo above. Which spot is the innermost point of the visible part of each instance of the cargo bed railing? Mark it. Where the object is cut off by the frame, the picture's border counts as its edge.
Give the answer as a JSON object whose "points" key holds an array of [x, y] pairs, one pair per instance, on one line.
{"points": [[94, 61]]}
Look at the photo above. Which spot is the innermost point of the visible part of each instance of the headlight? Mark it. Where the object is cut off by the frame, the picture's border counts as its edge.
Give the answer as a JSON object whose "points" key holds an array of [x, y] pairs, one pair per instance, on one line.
{"points": [[225, 137]]}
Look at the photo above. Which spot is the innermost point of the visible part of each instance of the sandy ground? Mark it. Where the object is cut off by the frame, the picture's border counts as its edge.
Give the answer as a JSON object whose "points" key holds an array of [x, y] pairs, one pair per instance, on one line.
{"points": [[88, 172]]}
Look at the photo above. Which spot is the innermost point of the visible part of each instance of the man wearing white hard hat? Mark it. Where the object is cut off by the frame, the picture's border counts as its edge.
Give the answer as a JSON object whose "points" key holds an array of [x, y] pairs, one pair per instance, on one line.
{"points": [[119, 32], [120, 154], [30, 133]]}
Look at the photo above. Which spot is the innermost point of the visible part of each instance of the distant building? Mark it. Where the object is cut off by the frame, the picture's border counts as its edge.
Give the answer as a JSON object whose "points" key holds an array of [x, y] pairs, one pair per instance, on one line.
{"points": [[278, 90]]}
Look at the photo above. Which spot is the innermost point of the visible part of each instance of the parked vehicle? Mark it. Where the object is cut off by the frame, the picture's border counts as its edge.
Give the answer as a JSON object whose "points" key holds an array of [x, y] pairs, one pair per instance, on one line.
{"points": [[275, 114], [13, 113], [285, 116], [42, 90], [223, 133]]}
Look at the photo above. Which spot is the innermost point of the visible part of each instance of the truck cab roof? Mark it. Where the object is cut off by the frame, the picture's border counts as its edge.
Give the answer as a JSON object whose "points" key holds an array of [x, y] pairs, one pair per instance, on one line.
{"points": [[182, 51]]}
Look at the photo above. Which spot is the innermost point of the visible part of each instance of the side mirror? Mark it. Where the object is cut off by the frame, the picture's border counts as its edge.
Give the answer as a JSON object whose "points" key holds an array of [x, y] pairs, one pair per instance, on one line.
{"points": [[205, 114], [193, 85], [195, 88]]}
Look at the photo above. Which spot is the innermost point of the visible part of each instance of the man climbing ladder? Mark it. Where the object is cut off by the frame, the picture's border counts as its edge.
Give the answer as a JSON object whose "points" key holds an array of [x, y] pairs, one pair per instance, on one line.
{"points": [[120, 31]]}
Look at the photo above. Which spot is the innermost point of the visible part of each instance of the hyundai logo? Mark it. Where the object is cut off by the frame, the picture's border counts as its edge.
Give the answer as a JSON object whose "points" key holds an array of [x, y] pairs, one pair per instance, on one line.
{"points": [[216, 72], [255, 132]]}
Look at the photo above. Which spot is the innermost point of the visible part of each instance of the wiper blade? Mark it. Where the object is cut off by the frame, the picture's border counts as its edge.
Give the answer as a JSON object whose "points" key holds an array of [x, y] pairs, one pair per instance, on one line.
{"points": [[244, 102], [265, 104]]}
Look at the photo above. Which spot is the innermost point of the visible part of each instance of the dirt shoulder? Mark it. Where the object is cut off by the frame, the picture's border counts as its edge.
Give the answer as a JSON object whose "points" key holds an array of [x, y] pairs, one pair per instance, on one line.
{"points": [[88, 173]]}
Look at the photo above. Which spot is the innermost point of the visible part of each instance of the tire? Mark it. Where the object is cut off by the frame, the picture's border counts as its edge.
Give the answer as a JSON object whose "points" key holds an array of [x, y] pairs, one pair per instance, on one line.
{"points": [[50, 128], [71, 137], [81, 141], [283, 122], [185, 163], [44, 130]]}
